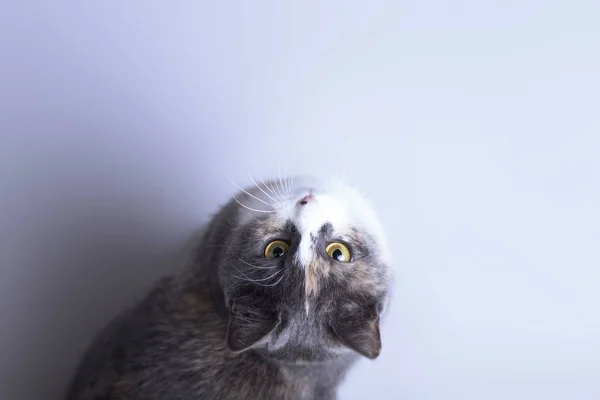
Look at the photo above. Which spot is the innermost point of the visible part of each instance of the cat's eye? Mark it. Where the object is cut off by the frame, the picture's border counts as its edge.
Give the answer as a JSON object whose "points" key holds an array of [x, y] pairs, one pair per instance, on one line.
{"points": [[276, 249], [338, 251]]}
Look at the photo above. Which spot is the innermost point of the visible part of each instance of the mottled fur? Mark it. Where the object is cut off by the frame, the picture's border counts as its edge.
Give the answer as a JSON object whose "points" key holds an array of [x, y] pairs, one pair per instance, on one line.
{"points": [[236, 325]]}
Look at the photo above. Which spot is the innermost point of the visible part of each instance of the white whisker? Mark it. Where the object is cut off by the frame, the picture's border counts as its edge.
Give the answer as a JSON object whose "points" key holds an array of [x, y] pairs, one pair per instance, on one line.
{"points": [[259, 188], [253, 209], [270, 187], [251, 195], [280, 181], [290, 182], [273, 284], [277, 192], [286, 179], [257, 281], [256, 266]]}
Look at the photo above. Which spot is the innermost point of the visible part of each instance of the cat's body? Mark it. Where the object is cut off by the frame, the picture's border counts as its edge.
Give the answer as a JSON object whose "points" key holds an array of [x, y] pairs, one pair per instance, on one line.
{"points": [[172, 346], [278, 304]]}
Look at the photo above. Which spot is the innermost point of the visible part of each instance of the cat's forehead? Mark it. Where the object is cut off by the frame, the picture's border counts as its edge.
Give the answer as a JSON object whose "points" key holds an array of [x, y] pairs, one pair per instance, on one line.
{"points": [[309, 205], [338, 206], [280, 202]]}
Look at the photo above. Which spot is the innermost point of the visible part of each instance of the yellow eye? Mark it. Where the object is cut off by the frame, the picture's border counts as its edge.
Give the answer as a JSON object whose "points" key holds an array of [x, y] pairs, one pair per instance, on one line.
{"points": [[276, 249], [338, 251]]}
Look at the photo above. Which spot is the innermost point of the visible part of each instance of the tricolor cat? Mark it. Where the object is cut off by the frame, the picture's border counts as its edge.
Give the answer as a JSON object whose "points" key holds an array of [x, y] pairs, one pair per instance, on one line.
{"points": [[286, 291]]}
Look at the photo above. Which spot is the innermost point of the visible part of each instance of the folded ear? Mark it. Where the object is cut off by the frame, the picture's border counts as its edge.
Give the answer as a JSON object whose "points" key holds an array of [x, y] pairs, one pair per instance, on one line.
{"points": [[359, 332], [247, 326]]}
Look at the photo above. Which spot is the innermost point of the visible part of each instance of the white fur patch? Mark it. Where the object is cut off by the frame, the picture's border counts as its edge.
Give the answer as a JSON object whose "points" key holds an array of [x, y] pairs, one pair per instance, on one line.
{"points": [[334, 202]]}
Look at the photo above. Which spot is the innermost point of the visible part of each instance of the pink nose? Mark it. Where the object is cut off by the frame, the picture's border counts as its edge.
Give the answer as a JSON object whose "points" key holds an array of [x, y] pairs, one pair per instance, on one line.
{"points": [[306, 199]]}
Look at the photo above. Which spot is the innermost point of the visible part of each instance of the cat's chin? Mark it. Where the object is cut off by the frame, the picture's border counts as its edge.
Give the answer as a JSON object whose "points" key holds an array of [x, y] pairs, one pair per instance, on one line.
{"points": [[301, 362], [307, 357]]}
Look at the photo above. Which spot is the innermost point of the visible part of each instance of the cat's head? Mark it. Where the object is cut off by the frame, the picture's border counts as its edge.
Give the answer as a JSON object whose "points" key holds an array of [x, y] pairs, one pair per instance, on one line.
{"points": [[304, 268]]}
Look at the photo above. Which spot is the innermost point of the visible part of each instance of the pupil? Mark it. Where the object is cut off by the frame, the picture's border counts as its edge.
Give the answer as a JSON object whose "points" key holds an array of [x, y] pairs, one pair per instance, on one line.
{"points": [[337, 254], [277, 252]]}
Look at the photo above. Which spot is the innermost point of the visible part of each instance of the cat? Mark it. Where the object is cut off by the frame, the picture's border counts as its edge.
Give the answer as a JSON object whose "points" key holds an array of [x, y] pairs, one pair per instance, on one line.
{"points": [[285, 293]]}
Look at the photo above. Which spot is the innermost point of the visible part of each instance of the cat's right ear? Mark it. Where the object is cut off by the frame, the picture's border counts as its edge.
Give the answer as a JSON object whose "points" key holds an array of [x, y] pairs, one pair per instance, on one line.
{"points": [[359, 331], [247, 326]]}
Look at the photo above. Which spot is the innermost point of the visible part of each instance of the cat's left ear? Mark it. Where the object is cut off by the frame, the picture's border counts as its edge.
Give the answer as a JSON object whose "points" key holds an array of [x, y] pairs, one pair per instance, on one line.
{"points": [[247, 326], [359, 331]]}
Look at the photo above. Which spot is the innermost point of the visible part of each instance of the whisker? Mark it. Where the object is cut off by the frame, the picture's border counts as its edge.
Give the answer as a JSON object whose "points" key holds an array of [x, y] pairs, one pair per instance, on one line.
{"points": [[251, 195], [290, 182], [280, 182], [254, 280], [269, 187], [257, 281], [256, 266], [277, 193], [253, 209], [273, 188], [273, 284], [267, 278], [286, 179], [278, 280], [259, 188]]}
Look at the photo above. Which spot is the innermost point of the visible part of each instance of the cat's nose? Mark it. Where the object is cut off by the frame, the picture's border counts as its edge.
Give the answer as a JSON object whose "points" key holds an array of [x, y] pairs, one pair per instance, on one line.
{"points": [[306, 199]]}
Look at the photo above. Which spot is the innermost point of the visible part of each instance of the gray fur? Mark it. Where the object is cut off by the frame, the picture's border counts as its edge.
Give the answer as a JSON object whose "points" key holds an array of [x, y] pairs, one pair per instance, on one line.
{"points": [[235, 325]]}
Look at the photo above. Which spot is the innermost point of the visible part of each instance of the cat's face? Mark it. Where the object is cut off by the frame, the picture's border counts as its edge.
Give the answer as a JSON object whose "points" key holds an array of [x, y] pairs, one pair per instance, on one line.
{"points": [[304, 268]]}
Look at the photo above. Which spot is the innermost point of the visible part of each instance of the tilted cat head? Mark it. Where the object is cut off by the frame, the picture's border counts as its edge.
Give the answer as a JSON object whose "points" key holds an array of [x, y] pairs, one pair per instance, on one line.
{"points": [[304, 269]]}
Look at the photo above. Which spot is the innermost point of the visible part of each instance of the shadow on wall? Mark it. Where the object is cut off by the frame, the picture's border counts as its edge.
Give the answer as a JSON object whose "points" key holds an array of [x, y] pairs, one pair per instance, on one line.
{"points": [[93, 270], [97, 268], [81, 248]]}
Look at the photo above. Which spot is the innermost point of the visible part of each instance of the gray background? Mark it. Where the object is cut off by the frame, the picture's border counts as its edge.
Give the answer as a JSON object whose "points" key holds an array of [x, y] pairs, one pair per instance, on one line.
{"points": [[474, 126]]}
